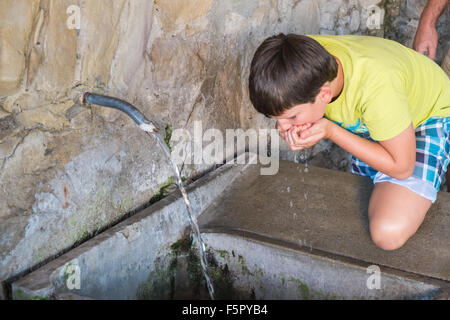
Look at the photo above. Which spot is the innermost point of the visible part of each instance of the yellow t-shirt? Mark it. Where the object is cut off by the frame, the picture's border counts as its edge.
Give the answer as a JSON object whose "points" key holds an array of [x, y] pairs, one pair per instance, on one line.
{"points": [[387, 86]]}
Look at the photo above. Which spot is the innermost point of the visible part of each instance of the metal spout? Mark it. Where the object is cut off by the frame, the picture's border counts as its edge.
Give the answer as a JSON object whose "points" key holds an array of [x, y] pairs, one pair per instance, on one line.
{"points": [[130, 110]]}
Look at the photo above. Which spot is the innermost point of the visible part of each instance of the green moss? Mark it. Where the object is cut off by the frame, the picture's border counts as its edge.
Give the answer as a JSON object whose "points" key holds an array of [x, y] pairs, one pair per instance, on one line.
{"points": [[244, 268], [66, 273], [39, 298], [225, 255], [97, 212], [76, 233], [302, 288], [20, 295], [223, 282], [259, 272], [306, 292], [162, 190], [73, 222], [159, 285], [89, 223], [84, 233], [184, 261], [40, 255], [182, 245], [184, 255], [168, 135], [195, 273], [126, 205]]}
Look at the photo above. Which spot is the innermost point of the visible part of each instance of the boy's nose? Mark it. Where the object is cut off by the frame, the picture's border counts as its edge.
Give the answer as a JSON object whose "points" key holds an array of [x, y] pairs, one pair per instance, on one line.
{"points": [[284, 125]]}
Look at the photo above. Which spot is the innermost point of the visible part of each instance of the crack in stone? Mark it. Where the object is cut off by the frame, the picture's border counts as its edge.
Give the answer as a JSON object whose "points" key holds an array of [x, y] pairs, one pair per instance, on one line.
{"points": [[34, 51], [39, 127], [194, 105], [1, 106], [12, 153]]}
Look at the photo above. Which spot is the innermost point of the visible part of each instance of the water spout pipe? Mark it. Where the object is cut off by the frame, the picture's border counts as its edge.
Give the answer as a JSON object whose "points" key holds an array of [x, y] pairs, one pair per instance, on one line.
{"points": [[147, 126], [121, 105]]}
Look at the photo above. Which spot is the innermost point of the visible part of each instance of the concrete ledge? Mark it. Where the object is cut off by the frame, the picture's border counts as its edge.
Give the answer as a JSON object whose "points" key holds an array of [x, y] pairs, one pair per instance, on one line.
{"points": [[115, 262], [273, 271], [325, 210]]}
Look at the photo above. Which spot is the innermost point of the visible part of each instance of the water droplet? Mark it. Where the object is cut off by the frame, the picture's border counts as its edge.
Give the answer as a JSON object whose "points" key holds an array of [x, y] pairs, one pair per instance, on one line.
{"points": [[306, 166]]}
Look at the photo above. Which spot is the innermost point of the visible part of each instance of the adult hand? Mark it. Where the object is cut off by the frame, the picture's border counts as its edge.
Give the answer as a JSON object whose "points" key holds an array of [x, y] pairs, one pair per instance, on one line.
{"points": [[426, 40]]}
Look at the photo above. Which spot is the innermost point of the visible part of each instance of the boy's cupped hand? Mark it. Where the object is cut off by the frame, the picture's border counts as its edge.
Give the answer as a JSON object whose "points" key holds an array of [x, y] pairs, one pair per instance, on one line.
{"points": [[306, 135]]}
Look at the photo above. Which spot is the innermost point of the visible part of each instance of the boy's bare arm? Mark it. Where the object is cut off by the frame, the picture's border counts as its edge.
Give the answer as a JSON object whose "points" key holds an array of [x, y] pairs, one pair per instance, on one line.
{"points": [[395, 157]]}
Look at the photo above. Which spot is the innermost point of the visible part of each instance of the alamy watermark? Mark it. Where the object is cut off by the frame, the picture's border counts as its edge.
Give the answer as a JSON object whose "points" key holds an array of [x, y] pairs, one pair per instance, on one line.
{"points": [[191, 149], [73, 277], [374, 280], [74, 19], [374, 20]]}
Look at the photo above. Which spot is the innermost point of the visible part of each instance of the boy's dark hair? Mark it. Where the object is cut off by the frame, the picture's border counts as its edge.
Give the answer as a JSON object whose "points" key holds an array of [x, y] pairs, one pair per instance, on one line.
{"points": [[288, 70]]}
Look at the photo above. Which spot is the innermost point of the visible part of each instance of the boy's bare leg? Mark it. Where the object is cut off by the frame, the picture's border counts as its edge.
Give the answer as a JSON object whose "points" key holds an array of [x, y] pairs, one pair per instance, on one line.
{"points": [[395, 214]]}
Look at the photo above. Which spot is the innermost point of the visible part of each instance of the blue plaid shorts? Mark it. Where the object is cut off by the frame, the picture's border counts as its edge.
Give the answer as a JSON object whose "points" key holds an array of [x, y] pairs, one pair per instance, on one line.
{"points": [[432, 159]]}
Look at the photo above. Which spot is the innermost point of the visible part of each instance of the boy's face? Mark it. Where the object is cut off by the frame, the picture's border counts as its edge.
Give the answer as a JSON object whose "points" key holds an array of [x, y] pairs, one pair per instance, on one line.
{"points": [[307, 113], [301, 114]]}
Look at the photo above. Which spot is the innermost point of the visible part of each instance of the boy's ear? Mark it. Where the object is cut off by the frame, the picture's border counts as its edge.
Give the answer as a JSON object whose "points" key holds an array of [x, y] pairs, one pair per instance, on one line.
{"points": [[325, 93]]}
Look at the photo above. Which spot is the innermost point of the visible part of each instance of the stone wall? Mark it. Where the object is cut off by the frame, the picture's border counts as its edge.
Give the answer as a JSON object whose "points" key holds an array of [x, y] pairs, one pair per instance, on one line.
{"points": [[68, 170]]}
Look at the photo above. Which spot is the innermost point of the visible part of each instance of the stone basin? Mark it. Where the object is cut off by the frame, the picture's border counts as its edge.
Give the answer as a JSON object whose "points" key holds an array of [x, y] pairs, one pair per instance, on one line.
{"points": [[300, 234]]}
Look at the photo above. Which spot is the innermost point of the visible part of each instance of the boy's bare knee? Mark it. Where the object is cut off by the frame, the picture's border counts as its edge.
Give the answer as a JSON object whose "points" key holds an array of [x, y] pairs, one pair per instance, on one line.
{"points": [[387, 235]]}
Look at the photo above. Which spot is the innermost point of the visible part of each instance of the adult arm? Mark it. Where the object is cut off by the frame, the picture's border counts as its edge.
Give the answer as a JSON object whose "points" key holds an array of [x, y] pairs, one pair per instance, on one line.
{"points": [[426, 38]]}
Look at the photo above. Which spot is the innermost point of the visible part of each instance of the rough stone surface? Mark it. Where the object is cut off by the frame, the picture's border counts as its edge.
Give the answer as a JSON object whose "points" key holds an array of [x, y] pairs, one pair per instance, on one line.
{"points": [[17, 19], [67, 170]]}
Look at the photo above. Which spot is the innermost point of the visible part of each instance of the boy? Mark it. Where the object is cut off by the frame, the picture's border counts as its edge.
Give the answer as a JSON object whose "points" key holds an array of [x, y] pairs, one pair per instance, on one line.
{"points": [[385, 104]]}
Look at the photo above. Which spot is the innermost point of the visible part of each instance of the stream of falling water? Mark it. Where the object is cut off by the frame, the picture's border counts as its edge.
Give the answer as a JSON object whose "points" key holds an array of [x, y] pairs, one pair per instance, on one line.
{"points": [[304, 157], [192, 219]]}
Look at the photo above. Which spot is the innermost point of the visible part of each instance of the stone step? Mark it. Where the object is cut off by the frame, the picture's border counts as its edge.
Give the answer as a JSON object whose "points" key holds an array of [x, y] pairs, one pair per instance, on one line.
{"points": [[324, 212]]}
